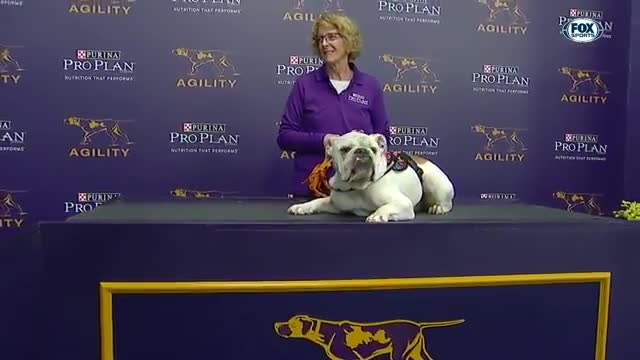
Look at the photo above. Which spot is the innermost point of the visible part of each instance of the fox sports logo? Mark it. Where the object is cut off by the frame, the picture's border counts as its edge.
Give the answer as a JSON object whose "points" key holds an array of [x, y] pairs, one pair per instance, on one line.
{"points": [[582, 30]]}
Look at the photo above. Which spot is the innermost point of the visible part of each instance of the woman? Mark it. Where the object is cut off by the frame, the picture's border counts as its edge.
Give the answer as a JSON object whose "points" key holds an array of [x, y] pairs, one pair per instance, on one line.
{"points": [[334, 99]]}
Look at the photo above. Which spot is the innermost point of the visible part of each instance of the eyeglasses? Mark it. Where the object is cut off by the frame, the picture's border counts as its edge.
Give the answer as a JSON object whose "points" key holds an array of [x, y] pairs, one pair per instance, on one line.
{"points": [[331, 37]]}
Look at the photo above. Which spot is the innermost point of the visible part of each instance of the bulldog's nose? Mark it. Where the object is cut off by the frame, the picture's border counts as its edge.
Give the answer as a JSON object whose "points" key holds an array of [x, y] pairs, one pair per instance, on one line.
{"points": [[362, 155]]}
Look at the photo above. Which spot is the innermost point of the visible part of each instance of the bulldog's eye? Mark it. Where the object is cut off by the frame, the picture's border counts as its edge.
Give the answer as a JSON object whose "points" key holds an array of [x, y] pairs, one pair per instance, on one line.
{"points": [[345, 150], [374, 150]]}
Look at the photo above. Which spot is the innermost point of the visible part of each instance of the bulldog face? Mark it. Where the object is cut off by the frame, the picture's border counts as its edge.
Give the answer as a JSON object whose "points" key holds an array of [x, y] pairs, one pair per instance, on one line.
{"points": [[358, 158]]}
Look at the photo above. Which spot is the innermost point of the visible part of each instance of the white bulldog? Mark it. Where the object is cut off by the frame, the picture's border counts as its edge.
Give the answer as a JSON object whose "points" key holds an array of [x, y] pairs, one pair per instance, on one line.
{"points": [[365, 184]]}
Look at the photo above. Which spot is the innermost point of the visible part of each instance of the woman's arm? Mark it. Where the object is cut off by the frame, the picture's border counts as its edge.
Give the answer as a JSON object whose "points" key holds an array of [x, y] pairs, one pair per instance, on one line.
{"points": [[379, 116], [291, 135]]}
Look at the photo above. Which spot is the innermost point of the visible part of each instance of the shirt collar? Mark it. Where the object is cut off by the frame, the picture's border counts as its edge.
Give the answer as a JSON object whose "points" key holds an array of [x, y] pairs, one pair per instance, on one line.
{"points": [[322, 75]]}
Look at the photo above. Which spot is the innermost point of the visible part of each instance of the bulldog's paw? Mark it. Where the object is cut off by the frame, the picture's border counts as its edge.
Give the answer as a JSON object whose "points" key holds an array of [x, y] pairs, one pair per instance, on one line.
{"points": [[436, 210], [377, 217], [302, 209]]}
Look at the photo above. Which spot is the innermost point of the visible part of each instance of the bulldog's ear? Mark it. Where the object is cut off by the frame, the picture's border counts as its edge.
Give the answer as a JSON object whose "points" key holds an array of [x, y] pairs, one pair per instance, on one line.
{"points": [[381, 141], [328, 143]]}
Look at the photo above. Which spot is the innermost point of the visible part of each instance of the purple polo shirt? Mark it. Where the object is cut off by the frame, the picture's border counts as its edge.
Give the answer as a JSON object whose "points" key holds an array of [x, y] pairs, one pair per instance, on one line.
{"points": [[314, 108]]}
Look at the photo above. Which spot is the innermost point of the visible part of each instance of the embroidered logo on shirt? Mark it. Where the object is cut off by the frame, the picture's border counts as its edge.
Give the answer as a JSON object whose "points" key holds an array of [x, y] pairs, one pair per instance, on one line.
{"points": [[357, 98]]}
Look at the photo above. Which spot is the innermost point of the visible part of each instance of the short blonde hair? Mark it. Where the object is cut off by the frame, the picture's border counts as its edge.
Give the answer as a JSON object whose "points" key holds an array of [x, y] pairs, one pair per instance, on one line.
{"points": [[347, 29]]}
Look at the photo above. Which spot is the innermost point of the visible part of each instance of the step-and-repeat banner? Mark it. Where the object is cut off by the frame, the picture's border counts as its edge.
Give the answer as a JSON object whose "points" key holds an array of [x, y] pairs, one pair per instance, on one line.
{"points": [[182, 98], [632, 164]]}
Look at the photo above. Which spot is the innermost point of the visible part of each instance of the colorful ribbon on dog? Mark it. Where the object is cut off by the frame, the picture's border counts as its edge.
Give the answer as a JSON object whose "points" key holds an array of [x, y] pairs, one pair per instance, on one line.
{"points": [[318, 180]]}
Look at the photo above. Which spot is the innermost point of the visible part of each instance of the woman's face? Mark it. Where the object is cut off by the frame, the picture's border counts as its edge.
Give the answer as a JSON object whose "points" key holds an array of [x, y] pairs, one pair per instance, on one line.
{"points": [[331, 44]]}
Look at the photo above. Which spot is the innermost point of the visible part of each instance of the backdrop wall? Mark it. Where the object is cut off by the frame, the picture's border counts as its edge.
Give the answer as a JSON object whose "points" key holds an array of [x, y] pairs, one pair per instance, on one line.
{"points": [[632, 163], [173, 98], [66, 63]]}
